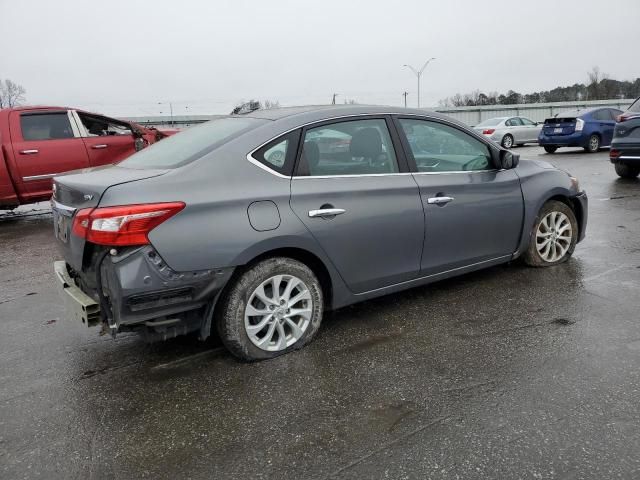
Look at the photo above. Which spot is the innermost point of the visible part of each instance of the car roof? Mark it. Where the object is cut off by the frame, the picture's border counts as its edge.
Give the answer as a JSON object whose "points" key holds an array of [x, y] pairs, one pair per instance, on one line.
{"points": [[312, 113]]}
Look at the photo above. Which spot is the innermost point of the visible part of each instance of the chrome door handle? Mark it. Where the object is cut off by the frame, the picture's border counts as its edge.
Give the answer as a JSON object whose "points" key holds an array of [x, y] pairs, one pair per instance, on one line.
{"points": [[326, 212], [439, 200], [98, 147], [28, 152]]}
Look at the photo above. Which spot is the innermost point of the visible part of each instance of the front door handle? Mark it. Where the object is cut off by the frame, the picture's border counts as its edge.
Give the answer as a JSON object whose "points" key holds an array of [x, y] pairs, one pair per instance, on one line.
{"points": [[29, 152], [439, 200], [326, 212], [98, 147]]}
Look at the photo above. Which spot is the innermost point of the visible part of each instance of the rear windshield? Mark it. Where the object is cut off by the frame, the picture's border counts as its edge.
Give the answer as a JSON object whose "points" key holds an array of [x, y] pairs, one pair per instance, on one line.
{"points": [[490, 122], [564, 117], [635, 106], [190, 144]]}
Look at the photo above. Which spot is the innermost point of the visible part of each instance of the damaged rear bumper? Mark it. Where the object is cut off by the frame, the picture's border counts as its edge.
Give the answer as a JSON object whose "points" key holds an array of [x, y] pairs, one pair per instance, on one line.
{"points": [[80, 306]]}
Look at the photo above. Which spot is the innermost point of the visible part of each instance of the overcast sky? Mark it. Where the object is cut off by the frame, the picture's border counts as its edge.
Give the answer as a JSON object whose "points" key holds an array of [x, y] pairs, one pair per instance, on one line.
{"points": [[123, 57]]}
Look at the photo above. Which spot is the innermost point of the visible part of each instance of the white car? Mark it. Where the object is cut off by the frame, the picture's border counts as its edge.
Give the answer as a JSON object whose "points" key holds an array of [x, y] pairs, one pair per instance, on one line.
{"points": [[510, 131]]}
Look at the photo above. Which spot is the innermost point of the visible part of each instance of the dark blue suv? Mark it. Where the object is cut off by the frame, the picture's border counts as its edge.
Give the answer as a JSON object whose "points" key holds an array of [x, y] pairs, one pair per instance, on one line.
{"points": [[590, 129]]}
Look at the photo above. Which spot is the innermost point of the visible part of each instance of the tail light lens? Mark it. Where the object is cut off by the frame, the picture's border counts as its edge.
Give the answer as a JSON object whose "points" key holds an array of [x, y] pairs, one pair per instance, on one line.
{"points": [[488, 131], [579, 125], [621, 118], [122, 225], [613, 153]]}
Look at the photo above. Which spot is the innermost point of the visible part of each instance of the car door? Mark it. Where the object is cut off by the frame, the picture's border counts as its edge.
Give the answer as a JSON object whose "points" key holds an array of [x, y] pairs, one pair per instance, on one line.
{"points": [[107, 140], [530, 130], [516, 129], [604, 124], [45, 143], [352, 191], [473, 211]]}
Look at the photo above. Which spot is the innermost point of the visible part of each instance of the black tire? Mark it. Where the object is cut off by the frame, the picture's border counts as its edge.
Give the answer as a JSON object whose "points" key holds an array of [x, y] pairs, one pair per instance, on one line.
{"points": [[626, 171], [230, 313], [507, 141], [532, 257], [549, 149], [594, 144]]}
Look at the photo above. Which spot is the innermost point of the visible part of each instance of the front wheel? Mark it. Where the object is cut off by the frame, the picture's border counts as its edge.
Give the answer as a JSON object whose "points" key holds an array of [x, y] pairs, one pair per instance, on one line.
{"points": [[273, 308], [627, 171], [594, 144], [554, 236], [550, 149], [507, 141]]}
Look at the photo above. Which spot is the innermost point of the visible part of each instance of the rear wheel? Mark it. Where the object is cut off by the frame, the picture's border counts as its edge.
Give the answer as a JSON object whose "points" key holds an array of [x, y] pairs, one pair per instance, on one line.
{"points": [[273, 308], [627, 171], [549, 149], [594, 144], [554, 236], [507, 141]]}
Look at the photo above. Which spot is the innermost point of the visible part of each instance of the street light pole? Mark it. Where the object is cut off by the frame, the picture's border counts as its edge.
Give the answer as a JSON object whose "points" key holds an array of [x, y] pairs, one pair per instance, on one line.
{"points": [[418, 74]]}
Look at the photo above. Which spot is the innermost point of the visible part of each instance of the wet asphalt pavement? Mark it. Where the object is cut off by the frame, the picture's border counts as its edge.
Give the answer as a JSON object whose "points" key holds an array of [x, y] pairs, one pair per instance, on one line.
{"points": [[510, 372]]}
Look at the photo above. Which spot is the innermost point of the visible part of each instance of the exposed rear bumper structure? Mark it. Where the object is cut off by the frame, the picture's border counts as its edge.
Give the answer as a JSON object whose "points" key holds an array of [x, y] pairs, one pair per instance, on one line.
{"points": [[80, 306]]}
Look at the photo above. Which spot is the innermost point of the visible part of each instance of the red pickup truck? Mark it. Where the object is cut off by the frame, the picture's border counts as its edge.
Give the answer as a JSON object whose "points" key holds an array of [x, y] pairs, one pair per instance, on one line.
{"points": [[38, 143]]}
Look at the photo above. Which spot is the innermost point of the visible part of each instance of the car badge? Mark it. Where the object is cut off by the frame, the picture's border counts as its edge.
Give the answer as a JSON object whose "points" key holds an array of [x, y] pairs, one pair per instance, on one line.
{"points": [[88, 197]]}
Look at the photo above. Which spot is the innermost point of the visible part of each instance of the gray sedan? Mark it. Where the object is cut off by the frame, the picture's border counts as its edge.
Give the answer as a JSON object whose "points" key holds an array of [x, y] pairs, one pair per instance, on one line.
{"points": [[205, 230], [510, 131]]}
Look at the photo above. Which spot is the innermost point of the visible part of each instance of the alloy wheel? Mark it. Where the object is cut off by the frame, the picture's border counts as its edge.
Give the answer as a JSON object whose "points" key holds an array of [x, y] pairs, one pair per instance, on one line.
{"points": [[553, 236], [278, 312]]}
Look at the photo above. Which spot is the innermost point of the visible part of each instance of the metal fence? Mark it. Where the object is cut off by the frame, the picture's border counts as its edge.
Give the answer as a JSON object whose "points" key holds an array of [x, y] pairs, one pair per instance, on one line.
{"points": [[534, 111]]}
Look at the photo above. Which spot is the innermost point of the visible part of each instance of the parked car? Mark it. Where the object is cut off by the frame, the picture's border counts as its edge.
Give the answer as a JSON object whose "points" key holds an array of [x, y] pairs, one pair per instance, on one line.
{"points": [[625, 146], [510, 131], [37, 143], [203, 231], [591, 129]]}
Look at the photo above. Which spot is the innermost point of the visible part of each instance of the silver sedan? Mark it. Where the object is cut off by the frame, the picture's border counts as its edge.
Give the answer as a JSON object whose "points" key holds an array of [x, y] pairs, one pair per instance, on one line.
{"points": [[510, 131]]}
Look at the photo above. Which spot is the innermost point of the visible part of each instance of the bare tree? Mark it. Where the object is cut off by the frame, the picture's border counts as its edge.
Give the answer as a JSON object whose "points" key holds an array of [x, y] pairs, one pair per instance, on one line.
{"points": [[11, 94]]}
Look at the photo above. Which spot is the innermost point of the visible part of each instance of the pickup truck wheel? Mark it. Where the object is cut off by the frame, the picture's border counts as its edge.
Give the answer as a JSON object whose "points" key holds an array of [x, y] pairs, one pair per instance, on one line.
{"points": [[626, 171], [550, 149], [554, 236], [272, 308]]}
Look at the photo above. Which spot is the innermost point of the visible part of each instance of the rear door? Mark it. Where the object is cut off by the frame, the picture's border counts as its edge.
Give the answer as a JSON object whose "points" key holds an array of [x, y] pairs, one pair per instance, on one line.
{"points": [[516, 129], [45, 143], [354, 194], [606, 123], [107, 140], [473, 212]]}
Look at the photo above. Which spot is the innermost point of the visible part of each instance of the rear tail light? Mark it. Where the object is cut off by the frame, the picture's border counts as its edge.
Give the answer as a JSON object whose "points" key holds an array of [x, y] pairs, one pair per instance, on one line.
{"points": [[488, 131], [621, 118], [122, 225], [614, 153], [579, 125]]}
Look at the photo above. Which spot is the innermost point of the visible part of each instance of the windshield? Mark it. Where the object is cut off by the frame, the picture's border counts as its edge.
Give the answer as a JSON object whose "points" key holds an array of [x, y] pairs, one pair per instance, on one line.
{"points": [[490, 122], [190, 144]]}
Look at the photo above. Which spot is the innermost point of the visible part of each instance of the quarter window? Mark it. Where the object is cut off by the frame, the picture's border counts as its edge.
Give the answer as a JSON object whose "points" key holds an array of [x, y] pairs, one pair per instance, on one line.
{"points": [[45, 126], [279, 154], [356, 147], [436, 147]]}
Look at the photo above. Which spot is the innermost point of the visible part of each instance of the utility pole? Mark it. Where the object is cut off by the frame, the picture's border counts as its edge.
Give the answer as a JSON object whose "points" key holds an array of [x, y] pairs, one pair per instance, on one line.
{"points": [[333, 101], [418, 74], [404, 94]]}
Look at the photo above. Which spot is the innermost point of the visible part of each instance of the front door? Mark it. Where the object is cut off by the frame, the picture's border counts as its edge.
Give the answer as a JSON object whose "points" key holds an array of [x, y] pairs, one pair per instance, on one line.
{"points": [[44, 144], [473, 212], [108, 140], [363, 211]]}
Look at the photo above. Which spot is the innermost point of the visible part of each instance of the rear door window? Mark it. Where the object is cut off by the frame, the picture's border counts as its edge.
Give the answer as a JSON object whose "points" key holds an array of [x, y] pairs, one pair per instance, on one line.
{"points": [[513, 122], [601, 114], [45, 126], [527, 122], [356, 147]]}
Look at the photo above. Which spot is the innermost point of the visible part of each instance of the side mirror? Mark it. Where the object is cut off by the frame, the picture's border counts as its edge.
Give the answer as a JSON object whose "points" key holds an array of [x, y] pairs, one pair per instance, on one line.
{"points": [[508, 160]]}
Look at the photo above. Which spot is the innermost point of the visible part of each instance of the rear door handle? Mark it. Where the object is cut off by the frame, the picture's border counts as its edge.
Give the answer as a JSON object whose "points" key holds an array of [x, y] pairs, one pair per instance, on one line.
{"points": [[439, 200], [29, 152], [326, 212], [98, 147]]}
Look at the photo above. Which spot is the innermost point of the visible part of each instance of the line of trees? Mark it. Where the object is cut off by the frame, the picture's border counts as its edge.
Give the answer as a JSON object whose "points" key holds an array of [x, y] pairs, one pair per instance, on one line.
{"points": [[598, 87], [11, 94]]}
